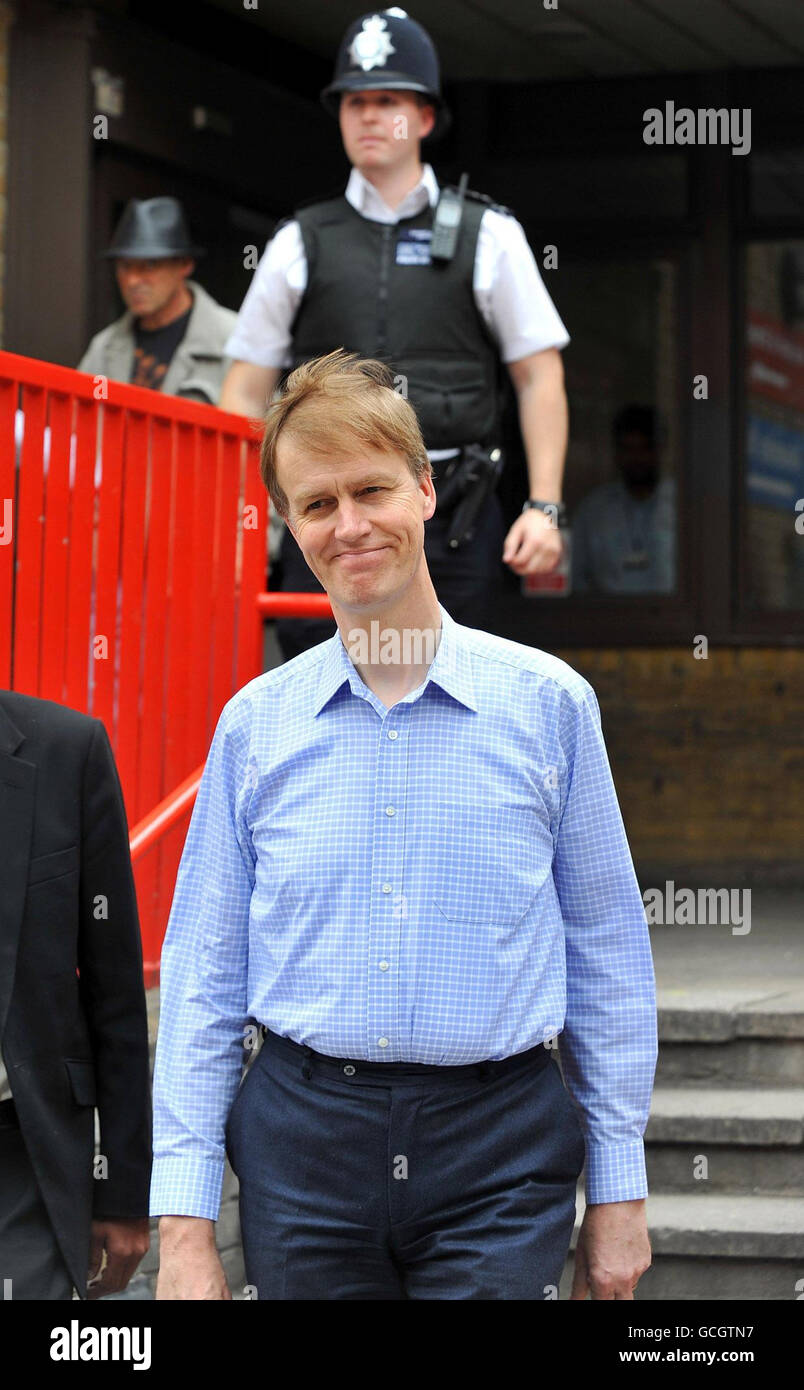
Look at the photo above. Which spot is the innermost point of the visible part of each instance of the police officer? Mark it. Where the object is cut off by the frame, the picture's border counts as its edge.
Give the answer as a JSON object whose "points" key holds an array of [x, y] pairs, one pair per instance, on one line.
{"points": [[380, 270]]}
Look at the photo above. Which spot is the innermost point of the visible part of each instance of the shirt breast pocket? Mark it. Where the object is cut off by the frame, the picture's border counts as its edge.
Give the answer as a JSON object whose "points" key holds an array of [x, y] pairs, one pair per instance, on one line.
{"points": [[491, 864]]}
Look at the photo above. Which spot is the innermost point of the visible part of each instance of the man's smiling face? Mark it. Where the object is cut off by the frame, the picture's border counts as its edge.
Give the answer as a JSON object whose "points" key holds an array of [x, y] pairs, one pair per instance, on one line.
{"points": [[358, 519]]}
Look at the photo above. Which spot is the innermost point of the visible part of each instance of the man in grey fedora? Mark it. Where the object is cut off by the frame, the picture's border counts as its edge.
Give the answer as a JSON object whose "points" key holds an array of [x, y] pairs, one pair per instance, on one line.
{"points": [[172, 335]]}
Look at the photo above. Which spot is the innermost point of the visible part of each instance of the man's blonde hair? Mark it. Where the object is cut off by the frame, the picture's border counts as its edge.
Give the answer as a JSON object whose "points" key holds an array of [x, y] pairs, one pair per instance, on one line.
{"points": [[334, 403]]}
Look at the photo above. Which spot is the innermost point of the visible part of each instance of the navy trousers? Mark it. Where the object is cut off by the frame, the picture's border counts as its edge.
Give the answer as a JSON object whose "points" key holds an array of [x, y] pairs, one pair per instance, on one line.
{"points": [[468, 581], [396, 1181]]}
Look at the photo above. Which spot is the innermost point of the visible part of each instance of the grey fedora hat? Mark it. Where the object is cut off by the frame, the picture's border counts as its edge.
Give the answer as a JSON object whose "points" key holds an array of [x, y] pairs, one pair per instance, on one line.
{"points": [[152, 229]]}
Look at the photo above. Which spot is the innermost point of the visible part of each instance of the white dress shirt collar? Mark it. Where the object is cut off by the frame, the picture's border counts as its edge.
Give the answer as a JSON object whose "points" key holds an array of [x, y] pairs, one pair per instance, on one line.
{"points": [[365, 199]]}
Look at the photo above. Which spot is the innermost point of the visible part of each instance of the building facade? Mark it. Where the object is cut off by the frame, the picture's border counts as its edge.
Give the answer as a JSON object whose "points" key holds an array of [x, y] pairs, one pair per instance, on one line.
{"points": [[678, 268]]}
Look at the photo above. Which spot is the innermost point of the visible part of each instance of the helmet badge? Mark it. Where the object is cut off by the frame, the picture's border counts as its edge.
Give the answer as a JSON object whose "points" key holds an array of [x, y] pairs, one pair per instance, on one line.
{"points": [[372, 46]]}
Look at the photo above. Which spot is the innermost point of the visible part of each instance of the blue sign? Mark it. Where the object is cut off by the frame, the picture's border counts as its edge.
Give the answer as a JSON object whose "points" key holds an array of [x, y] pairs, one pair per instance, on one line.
{"points": [[774, 464]]}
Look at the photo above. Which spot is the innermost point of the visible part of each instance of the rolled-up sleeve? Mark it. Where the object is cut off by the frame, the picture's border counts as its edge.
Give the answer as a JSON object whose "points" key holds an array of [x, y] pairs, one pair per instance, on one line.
{"points": [[609, 1042], [204, 981]]}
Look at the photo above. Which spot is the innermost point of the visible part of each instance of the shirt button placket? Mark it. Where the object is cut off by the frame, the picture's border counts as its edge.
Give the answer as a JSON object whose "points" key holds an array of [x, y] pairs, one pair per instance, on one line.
{"points": [[385, 926]]}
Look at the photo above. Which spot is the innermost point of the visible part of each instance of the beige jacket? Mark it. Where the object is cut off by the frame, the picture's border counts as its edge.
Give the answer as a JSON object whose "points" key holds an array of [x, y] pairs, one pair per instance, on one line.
{"points": [[198, 366]]}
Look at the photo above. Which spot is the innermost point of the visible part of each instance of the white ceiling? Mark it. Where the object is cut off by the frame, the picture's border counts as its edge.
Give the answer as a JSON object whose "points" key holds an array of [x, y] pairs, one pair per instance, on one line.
{"points": [[520, 40]]}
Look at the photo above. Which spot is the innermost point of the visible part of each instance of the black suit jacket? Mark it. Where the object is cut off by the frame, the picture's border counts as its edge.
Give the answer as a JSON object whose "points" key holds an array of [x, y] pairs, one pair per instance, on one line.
{"points": [[72, 1002]]}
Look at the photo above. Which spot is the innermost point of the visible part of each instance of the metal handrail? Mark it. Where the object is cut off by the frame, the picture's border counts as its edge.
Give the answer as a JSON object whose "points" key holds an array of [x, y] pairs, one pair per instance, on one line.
{"points": [[290, 605], [148, 831]]}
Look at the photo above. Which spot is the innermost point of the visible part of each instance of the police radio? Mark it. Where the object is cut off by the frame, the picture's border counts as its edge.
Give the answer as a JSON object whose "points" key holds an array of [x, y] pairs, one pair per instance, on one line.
{"points": [[447, 221]]}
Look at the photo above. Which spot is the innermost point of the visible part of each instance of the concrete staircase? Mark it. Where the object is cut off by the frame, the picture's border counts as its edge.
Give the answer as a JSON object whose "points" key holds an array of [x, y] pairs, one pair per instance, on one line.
{"points": [[725, 1149]]}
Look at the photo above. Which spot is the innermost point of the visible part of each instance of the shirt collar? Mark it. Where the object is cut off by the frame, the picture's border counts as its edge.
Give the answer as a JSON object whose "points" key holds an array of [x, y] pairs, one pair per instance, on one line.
{"points": [[365, 199], [451, 668]]}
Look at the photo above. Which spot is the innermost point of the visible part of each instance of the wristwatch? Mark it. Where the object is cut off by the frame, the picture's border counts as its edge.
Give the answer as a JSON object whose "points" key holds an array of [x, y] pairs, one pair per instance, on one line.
{"points": [[556, 510]]}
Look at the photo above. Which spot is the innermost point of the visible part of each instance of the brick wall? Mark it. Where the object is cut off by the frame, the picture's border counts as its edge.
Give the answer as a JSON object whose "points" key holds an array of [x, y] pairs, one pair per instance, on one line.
{"points": [[5, 40], [708, 759]]}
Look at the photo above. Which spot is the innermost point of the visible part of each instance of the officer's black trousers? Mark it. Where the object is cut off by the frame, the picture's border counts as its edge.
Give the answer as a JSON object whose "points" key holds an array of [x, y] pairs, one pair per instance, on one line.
{"points": [[467, 581]]}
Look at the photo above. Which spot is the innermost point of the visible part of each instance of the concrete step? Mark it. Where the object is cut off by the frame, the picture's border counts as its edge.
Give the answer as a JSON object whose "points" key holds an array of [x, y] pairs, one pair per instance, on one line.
{"points": [[703, 1139], [718, 1246], [730, 1036], [722, 1225], [727, 1114], [710, 1014], [699, 1279], [730, 1169], [766, 1061]]}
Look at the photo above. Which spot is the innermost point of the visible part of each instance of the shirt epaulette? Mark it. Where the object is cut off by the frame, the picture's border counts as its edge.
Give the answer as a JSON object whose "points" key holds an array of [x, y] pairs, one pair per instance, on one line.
{"points": [[486, 200], [307, 203], [328, 197]]}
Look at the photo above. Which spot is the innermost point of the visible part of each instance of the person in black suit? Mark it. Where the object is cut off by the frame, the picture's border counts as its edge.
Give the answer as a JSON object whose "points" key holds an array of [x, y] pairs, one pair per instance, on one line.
{"points": [[73, 1025]]}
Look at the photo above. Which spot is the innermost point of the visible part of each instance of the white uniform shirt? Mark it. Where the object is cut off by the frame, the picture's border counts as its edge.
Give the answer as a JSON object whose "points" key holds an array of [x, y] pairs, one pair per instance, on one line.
{"points": [[508, 289]]}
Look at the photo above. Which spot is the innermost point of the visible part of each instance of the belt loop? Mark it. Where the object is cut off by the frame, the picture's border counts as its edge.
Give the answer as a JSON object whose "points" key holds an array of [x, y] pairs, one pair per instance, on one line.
{"points": [[485, 1070], [307, 1070]]}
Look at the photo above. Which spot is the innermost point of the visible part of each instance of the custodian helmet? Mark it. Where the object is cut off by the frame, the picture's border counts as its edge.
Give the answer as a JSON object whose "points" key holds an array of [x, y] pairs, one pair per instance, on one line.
{"points": [[386, 50]]}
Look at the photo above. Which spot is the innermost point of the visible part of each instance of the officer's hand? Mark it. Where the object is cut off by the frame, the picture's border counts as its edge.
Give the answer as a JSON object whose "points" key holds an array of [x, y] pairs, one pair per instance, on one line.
{"points": [[533, 544]]}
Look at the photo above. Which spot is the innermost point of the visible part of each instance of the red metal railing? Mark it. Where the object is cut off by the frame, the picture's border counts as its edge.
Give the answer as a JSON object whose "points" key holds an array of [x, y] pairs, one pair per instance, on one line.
{"points": [[294, 605], [132, 555]]}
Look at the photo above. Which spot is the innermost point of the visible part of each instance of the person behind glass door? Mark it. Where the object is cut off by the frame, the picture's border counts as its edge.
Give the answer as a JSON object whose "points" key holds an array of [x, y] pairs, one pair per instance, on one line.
{"points": [[624, 531]]}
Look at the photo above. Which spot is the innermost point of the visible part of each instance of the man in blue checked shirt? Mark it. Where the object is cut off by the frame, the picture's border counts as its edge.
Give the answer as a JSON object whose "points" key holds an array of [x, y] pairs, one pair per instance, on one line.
{"points": [[408, 870]]}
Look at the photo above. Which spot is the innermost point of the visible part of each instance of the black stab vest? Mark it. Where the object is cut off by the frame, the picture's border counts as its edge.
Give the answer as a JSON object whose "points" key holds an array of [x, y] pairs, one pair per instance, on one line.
{"points": [[421, 320]]}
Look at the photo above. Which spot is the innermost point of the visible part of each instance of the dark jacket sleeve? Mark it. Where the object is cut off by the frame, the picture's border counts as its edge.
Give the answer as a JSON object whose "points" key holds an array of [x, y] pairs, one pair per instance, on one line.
{"points": [[112, 989]]}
